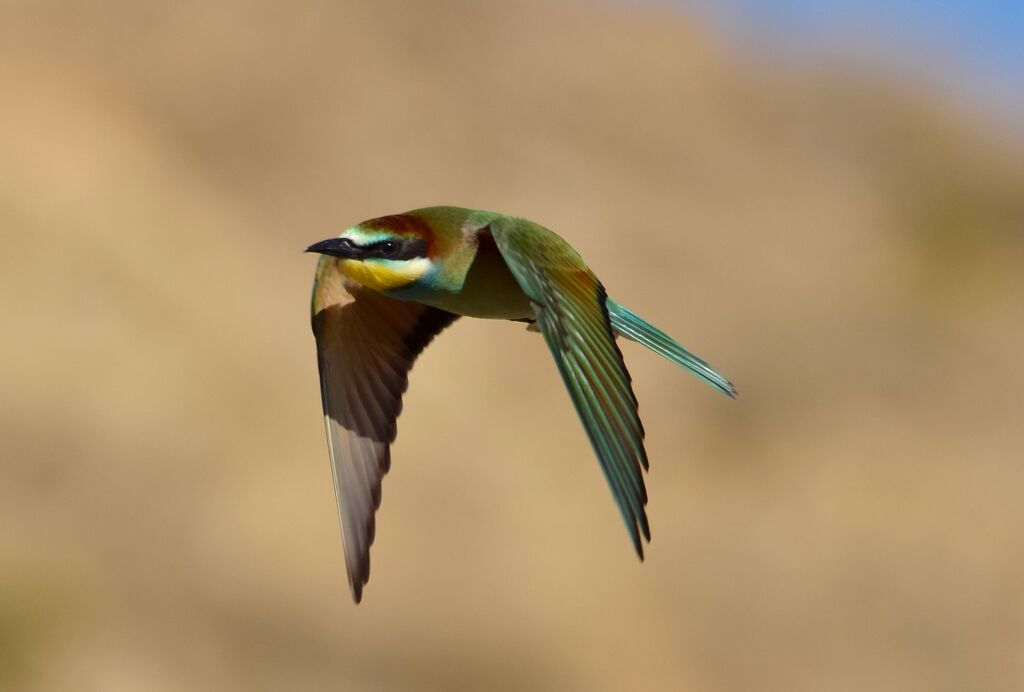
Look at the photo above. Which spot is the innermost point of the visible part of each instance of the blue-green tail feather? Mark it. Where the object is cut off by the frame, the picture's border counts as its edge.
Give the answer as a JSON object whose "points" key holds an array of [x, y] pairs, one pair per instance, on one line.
{"points": [[632, 326]]}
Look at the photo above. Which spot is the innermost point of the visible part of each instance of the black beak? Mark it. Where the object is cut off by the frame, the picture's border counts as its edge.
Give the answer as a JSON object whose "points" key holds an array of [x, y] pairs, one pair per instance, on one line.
{"points": [[336, 247]]}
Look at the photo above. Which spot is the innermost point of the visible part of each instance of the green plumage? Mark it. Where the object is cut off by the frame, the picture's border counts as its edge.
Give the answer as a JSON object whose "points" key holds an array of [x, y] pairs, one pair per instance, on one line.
{"points": [[569, 303], [452, 261], [636, 328]]}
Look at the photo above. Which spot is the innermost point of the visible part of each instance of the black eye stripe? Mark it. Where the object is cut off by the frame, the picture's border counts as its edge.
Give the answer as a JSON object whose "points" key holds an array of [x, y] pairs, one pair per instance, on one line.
{"points": [[407, 249]]}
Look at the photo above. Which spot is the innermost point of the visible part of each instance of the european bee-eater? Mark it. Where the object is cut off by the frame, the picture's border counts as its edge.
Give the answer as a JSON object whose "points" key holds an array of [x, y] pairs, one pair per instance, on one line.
{"points": [[386, 287]]}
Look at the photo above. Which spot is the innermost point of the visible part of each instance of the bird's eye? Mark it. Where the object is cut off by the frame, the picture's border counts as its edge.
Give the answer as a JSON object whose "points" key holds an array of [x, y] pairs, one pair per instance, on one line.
{"points": [[388, 248]]}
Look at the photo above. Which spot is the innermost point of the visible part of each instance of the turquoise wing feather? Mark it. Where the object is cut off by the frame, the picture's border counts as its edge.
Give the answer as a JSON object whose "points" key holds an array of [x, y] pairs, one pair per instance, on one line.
{"points": [[632, 326], [570, 306]]}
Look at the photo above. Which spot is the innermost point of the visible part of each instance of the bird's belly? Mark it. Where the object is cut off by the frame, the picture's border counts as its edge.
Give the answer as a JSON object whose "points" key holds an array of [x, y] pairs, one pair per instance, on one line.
{"points": [[488, 296], [494, 307], [489, 291]]}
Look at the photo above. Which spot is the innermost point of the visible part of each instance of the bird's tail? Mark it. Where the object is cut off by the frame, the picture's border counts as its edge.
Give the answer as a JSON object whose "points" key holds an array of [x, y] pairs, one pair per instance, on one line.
{"points": [[636, 328]]}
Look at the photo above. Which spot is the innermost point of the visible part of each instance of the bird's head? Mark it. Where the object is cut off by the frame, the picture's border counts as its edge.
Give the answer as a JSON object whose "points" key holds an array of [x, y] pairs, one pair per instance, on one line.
{"points": [[385, 254]]}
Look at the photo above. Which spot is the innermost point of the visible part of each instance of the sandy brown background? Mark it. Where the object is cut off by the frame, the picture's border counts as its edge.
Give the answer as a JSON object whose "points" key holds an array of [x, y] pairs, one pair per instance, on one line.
{"points": [[848, 249]]}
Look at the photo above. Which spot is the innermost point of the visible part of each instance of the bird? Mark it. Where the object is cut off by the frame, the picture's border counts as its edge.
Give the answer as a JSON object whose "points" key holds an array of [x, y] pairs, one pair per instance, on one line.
{"points": [[386, 287]]}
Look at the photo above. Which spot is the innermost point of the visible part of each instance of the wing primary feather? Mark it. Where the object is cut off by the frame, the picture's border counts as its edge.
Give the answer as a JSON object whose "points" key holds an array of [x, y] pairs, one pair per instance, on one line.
{"points": [[569, 303], [626, 434], [606, 448], [631, 495], [366, 345], [623, 396]]}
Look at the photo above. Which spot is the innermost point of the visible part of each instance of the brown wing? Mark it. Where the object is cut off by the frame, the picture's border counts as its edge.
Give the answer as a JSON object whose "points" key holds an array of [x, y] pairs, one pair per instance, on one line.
{"points": [[366, 345]]}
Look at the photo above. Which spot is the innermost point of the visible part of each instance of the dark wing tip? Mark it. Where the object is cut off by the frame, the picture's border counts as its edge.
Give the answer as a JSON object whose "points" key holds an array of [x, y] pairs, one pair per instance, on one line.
{"points": [[638, 544], [639, 532], [357, 579]]}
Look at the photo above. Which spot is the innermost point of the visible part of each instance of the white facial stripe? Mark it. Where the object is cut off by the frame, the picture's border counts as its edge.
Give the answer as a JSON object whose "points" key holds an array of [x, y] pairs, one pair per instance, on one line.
{"points": [[363, 238]]}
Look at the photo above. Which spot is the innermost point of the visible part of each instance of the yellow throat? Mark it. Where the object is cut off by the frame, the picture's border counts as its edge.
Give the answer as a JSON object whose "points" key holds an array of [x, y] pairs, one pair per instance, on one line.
{"points": [[383, 274]]}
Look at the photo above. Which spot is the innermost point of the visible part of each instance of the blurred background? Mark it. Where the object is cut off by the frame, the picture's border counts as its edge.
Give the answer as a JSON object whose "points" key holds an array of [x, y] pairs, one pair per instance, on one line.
{"points": [[827, 204]]}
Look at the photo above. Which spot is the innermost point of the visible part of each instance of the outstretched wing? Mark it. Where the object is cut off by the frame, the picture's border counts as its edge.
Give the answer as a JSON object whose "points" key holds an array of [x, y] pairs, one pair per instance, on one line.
{"points": [[366, 344], [570, 305]]}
